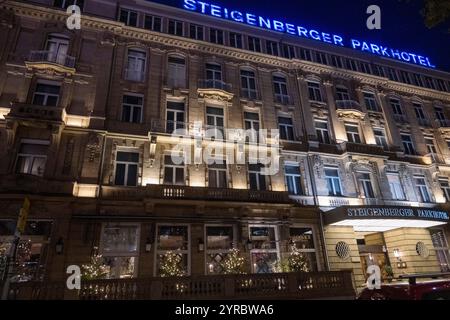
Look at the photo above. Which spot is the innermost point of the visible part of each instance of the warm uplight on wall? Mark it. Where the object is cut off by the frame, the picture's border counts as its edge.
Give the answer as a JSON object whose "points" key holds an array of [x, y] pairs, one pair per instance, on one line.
{"points": [[85, 190], [76, 121], [397, 254], [4, 112]]}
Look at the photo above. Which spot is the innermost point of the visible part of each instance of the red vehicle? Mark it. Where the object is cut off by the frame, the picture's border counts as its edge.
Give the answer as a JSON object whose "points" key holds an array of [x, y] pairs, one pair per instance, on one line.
{"points": [[437, 288]]}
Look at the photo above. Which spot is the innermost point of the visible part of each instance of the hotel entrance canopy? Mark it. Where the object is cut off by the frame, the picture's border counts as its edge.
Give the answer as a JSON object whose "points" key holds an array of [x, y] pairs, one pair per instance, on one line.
{"points": [[383, 218]]}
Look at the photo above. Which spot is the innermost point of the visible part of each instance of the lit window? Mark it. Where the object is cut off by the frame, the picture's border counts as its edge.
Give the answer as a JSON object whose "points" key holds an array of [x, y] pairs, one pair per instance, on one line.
{"points": [[57, 47], [176, 72], [172, 242], [302, 239], [32, 157], [119, 247], [135, 70], [127, 164], [265, 252], [395, 186], [256, 179], [219, 241]]}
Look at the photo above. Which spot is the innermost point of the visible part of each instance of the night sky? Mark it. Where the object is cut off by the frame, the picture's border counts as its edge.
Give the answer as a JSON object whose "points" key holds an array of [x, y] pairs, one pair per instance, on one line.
{"points": [[402, 25]]}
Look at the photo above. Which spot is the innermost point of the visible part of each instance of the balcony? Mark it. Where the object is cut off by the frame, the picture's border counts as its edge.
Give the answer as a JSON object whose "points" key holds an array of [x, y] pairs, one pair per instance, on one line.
{"points": [[303, 285], [424, 122], [215, 89], [194, 193], [26, 111], [400, 119], [364, 148], [283, 99], [49, 61], [349, 109], [25, 183]]}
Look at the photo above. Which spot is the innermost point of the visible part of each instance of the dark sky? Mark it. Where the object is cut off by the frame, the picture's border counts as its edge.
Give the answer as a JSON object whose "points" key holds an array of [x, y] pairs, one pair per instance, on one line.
{"points": [[402, 25]]}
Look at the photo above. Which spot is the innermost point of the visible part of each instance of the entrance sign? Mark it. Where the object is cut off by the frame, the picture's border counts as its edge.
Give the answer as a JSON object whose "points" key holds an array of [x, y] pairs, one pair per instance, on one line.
{"points": [[300, 31]]}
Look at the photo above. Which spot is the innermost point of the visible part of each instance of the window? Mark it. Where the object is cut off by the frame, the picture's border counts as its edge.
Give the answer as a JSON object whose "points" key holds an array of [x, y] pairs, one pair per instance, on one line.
{"points": [[272, 48], [152, 23], [314, 91], [176, 27], [431, 147], [286, 128], [119, 247], [132, 108], [418, 80], [408, 145], [217, 175], [392, 74], [216, 122], [32, 157], [196, 32], [378, 70], [214, 75], [429, 83], [251, 124], [322, 131], [380, 137], [333, 181], [130, 18], [265, 252], [365, 67], [321, 57], [256, 179], [445, 187], [219, 242], [136, 62], [126, 168], [216, 36], [305, 54], [302, 238], [365, 185], [404, 77], [64, 4], [371, 101], [336, 61], [441, 85], [351, 64], [236, 40], [173, 170], [396, 107], [441, 248], [31, 251], [422, 189], [248, 84], [173, 239], [174, 116], [176, 72], [254, 44], [288, 51], [395, 186], [342, 93], [57, 47], [440, 116], [280, 89], [46, 94], [293, 179], [418, 110], [352, 130]]}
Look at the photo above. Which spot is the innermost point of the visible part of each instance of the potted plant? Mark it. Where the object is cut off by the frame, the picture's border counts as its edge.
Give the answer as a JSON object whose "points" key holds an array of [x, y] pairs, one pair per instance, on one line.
{"points": [[389, 273]]}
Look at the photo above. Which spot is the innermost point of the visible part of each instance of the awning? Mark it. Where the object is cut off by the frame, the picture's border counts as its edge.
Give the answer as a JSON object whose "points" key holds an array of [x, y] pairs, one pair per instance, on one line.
{"points": [[383, 218]]}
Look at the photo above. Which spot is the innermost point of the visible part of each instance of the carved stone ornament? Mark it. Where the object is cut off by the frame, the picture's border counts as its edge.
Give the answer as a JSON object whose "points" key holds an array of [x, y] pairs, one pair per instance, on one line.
{"points": [[93, 146]]}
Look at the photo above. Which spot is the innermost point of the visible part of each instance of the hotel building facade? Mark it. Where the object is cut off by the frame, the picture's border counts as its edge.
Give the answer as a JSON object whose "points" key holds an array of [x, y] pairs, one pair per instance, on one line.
{"points": [[86, 118]]}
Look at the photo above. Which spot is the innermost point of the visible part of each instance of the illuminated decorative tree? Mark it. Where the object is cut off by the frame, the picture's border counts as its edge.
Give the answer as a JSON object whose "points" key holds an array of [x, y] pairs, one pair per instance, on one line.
{"points": [[96, 269], [170, 265], [297, 261], [233, 263]]}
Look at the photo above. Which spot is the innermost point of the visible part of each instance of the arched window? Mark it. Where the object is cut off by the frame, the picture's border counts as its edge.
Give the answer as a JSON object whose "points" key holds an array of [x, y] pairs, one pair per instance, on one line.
{"points": [[248, 83], [136, 65], [56, 48], [280, 88]]}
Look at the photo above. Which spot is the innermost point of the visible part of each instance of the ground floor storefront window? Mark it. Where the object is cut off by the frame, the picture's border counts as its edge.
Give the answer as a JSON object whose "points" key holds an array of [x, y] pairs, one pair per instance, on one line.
{"points": [[302, 238], [31, 253], [119, 246], [219, 242], [172, 250], [265, 252]]}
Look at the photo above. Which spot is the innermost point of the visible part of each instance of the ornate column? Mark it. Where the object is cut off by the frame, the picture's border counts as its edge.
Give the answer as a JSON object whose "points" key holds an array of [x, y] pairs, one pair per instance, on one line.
{"points": [[366, 126]]}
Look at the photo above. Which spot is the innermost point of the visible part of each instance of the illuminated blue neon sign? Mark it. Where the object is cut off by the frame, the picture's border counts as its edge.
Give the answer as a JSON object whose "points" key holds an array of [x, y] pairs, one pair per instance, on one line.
{"points": [[281, 26]]}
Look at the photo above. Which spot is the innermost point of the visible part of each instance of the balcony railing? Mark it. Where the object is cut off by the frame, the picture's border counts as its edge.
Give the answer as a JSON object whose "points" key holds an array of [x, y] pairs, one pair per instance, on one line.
{"points": [[194, 193], [283, 99], [424, 122], [400, 118], [23, 110], [302, 285], [348, 105], [444, 123], [214, 84], [50, 56]]}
